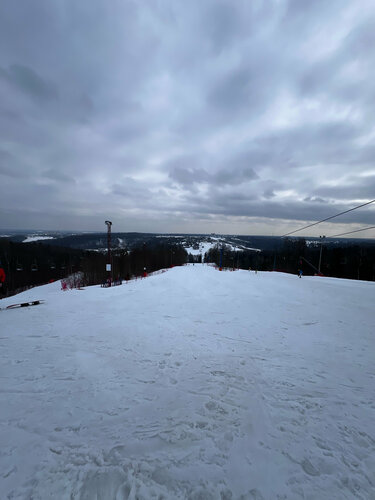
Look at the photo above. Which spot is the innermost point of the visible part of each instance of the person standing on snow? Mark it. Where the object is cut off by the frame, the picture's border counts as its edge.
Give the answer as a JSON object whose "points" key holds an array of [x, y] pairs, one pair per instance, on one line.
{"points": [[2, 280]]}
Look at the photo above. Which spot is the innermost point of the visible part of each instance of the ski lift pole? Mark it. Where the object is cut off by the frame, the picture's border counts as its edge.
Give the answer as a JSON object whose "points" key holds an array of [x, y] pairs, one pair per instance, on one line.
{"points": [[309, 263], [320, 254], [109, 263]]}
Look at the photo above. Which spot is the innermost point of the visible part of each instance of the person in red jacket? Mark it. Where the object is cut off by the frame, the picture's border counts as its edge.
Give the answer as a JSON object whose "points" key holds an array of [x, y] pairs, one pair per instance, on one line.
{"points": [[2, 280]]}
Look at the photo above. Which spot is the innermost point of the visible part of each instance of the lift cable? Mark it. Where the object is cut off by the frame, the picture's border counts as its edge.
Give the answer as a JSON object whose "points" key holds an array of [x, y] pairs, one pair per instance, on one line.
{"points": [[328, 218], [351, 232]]}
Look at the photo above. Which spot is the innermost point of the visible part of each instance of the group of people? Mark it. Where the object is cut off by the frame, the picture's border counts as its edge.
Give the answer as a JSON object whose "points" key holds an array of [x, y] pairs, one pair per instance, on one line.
{"points": [[2, 280]]}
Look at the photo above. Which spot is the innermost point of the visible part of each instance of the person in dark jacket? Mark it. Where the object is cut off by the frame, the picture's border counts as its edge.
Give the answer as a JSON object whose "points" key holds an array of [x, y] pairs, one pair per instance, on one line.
{"points": [[2, 280]]}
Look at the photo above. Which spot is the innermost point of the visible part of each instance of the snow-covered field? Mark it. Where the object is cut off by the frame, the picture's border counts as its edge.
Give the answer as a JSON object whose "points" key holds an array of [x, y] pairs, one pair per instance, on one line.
{"points": [[29, 239], [193, 384], [203, 248]]}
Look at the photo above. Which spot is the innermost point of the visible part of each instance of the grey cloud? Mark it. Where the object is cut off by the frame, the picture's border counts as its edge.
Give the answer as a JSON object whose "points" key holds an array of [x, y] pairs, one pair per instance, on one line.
{"points": [[269, 193], [8, 171], [129, 131], [5, 159], [307, 144], [131, 190], [186, 170], [226, 24], [302, 21], [235, 176], [358, 41], [188, 176], [356, 188], [28, 81], [58, 176], [255, 114], [247, 89], [240, 206], [315, 199], [222, 22], [344, 74], [228, 176], [10, 166]]}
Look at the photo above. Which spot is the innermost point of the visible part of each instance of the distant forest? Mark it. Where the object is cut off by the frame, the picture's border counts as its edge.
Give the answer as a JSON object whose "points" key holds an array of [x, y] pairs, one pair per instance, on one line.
{"points": [[348, 261], [31, 264]]}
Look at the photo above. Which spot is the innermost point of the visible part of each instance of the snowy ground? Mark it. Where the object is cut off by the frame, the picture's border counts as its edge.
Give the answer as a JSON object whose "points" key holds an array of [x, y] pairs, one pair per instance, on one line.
{"points": [[206, 246], [37, 238], [203, 248], [193, 384]]}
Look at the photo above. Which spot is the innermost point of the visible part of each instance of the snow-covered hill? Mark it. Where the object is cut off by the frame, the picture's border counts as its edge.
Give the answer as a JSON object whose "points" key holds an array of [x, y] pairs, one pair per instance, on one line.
{"points": [[191, 384]]}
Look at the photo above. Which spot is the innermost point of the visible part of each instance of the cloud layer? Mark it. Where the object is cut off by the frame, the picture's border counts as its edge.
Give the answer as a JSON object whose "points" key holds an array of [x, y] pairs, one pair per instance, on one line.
{"points": [[241, 117]]}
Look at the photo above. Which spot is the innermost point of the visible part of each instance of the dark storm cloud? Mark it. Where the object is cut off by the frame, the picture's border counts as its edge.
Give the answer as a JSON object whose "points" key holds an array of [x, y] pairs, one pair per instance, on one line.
{"points": [[160, 110]]}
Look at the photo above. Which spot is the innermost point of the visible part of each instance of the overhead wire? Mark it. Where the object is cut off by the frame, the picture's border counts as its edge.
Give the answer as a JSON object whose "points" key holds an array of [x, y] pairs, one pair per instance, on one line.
{"points": [[328, 218], [351, 232]]}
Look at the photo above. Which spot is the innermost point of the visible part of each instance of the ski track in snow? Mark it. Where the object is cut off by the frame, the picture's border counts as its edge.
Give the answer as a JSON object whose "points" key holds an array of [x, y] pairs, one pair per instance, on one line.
{"points": [[190, 384]]}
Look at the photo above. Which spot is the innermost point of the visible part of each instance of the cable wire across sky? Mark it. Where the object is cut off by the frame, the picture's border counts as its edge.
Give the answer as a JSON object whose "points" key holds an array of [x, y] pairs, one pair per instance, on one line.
{"points": [[351, 232], [328, 218]]}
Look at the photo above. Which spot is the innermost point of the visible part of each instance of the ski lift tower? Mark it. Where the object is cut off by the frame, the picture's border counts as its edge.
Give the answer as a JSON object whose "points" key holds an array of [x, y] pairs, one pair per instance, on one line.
{"points": [[108, 266]]}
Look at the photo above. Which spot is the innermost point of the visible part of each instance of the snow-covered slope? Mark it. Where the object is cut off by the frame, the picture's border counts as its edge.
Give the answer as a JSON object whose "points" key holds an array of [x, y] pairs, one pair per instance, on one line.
{"points": [[29, 239], [191, 384]]}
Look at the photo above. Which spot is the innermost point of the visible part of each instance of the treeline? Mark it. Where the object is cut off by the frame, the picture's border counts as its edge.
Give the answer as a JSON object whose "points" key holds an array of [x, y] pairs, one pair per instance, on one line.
{"points": [[99, 240], [31, 264], [127, 264], [352, 262]]}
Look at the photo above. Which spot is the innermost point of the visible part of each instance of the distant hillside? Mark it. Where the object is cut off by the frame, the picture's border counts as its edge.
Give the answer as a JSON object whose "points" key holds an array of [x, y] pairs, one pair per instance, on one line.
{"points": [[97, 241], [344, 258]]}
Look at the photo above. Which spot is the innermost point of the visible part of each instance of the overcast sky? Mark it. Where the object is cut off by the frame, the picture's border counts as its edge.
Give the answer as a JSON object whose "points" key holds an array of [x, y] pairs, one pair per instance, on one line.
{"points": [[235, 116]]}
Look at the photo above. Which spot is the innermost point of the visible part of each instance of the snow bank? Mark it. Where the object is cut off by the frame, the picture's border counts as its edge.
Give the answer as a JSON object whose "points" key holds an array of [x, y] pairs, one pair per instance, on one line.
{"points": [[190, 384]]}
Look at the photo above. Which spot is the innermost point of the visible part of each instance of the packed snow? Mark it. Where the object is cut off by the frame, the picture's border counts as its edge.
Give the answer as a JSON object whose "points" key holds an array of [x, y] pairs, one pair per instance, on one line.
{"points": [[190, 384]]}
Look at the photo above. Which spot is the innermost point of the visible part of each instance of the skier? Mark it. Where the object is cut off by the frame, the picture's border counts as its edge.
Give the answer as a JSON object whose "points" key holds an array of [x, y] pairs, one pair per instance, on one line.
{"points": [[2, 280]]}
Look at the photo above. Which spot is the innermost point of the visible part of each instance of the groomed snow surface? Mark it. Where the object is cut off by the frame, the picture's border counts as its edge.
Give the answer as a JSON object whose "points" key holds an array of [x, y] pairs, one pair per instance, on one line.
{"points": [[194, 384]]}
